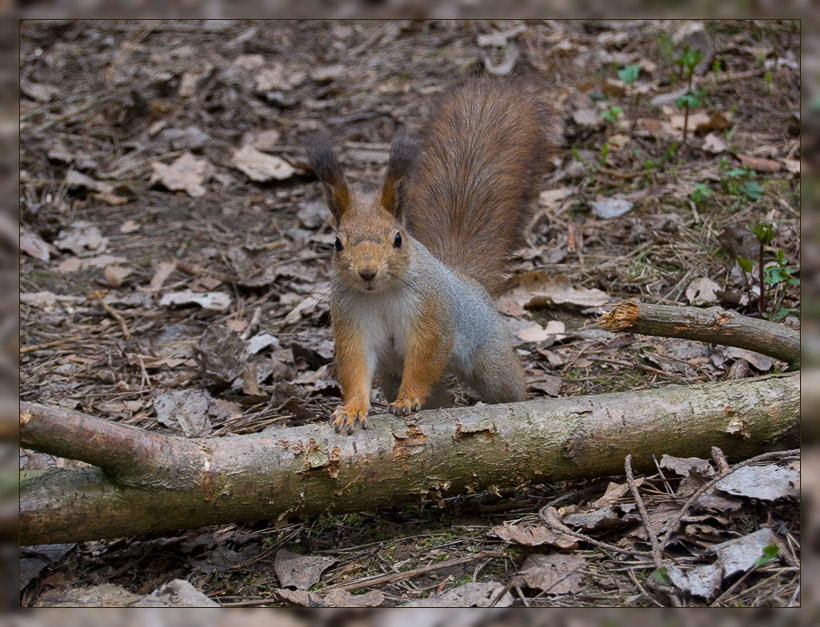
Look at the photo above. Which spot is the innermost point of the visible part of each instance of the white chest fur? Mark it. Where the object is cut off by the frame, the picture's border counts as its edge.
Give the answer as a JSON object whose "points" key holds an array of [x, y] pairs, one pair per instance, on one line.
{"points": [[385, 319]]}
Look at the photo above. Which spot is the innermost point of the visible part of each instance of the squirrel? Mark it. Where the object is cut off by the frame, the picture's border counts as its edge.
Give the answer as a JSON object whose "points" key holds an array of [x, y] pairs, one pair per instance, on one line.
{"points": [[416, 264]]}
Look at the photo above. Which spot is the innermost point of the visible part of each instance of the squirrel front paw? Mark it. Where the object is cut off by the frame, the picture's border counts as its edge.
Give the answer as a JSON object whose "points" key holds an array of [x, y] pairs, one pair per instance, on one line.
{"points": [[403, 406], [347, 417]]}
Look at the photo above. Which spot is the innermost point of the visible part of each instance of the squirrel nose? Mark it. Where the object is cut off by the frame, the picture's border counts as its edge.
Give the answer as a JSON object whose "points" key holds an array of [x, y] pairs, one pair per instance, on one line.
{"points": [[367, 273]]}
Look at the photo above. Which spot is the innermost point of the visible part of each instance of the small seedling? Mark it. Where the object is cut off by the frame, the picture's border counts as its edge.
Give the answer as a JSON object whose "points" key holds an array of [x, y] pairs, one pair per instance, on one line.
{"points": [[629, 75], [660, 576], [768, 78], [740, 183], [648, 170], [687, 62], [765, 234], [604, 153], [700, 193], [778, 276], [612, 114]]}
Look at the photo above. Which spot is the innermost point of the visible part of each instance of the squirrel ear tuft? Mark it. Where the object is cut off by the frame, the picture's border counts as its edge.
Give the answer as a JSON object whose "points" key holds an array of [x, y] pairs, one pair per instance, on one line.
{"points": [[324, 164], [403, 155]]}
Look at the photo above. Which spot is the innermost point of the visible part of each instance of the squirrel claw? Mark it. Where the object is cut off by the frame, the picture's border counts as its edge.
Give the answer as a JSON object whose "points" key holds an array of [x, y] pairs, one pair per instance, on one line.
{"points": [[404, 406], [343, 417]]}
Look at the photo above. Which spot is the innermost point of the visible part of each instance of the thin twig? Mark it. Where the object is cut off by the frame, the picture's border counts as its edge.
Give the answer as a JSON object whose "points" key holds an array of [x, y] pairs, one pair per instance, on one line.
{"points": [[657, 557], [413, 572], [114, 314]]}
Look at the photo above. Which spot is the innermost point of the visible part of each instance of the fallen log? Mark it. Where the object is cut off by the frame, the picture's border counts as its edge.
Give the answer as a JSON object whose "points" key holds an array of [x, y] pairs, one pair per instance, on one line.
{"points": [[147, 483], [712, 324]]}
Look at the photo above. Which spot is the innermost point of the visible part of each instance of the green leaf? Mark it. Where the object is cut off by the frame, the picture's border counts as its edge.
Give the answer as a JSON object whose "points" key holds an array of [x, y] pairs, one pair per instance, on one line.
{"points": [[612, 114], [752, 190], [744, 264], [661, 576], [769, 554], [763, 231], [736, 172], [630, 73], [700, 192], [687, 100]]}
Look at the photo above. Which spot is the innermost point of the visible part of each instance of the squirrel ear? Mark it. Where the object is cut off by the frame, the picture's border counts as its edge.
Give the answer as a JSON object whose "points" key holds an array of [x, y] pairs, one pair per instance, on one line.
{"points": [[327, 169], [402, 160]]}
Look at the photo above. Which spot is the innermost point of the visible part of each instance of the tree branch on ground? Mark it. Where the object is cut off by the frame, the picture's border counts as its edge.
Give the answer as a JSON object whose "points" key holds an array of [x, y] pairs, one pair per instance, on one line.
{"points": [[148, 483], [707, 325]]}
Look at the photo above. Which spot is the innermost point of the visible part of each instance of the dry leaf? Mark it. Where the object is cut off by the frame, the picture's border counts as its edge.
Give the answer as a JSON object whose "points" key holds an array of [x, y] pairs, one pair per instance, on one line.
{"points": [[300, 571], [614, 491], [343, 598], [78, 179], [508, 306], [548, 384], [82, 238], [792, 165], [767, 482], [39, 91], [116, 275], [217, 301], [740, 555], [537, 534], [184, 409], [221, 354], [701, 291], [552, 198], [35, 246], [586, 117], [602, 518], [129, 226], [701, 122], [714, 143], [472, 594], [683, 466], [187, 173], [75, 264], [261, 167], [611, 207], [161, 274], [533, 333], [763, 363], [278, 78], [554, 574], [538, 289], [702, 581], [176, 593]]}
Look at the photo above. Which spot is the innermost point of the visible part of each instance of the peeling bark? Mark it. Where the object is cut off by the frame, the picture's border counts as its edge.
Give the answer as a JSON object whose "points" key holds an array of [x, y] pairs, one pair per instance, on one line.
{"points": [[707, 325], [145, 483]]}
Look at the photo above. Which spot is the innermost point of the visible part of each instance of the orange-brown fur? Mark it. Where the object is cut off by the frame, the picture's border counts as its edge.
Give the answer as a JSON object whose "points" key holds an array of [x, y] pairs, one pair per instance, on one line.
{"points": [[463, 193], [353, 376], [482, 154], [424, 362]]}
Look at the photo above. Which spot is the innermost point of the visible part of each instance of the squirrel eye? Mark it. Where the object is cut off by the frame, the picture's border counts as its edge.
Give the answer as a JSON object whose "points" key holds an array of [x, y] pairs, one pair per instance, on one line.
{"points": [[397, 241], [338, 244]]}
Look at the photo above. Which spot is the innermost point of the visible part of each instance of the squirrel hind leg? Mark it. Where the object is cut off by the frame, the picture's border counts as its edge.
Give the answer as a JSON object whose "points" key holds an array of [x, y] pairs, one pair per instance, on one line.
{"points": [[439, 396], [499, 378]]}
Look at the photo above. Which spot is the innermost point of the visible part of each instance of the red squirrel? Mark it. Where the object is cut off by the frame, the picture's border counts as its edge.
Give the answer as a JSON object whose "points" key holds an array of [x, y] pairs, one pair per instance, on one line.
{"points": [[416, 264]]}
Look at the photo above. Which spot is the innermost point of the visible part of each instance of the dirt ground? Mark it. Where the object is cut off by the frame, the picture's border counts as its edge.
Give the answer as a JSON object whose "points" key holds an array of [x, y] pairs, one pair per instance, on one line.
{"points": [[167, 214]]}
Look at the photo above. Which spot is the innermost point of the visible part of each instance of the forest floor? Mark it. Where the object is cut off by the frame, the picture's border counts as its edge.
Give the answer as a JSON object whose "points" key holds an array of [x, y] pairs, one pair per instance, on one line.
{"points": [[166, 205]]}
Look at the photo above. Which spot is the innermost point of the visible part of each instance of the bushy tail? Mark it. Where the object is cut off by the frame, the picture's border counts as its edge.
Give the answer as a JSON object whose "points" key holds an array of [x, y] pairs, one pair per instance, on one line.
{"points": [[483, 151]]}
